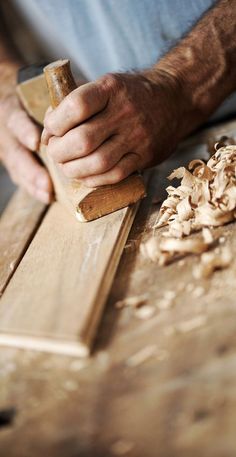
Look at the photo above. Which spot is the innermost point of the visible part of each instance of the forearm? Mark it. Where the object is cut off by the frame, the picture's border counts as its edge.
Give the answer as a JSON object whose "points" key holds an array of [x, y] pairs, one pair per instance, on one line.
{"points": [[203, 64], [9, 63]]}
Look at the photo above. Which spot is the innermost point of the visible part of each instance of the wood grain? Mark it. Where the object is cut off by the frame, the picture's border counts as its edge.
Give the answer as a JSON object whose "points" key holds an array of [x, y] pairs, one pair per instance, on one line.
{"points": [[180, 402], [55, 299], [34, 97], [18, 224]]}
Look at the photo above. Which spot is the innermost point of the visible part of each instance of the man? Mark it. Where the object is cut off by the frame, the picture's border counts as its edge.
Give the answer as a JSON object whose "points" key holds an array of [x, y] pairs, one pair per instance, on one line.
{"points": [[124, 120]]}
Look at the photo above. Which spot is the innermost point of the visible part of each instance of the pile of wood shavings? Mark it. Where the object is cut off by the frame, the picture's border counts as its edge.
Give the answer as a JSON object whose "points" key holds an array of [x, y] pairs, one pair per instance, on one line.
{"points": [[206, 197]]}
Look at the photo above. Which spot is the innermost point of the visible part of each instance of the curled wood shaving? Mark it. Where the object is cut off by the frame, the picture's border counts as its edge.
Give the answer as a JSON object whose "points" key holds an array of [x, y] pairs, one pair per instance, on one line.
{"points": [[211, 261], [184, 246], [134, 301], [166, 249], [206, 197]]}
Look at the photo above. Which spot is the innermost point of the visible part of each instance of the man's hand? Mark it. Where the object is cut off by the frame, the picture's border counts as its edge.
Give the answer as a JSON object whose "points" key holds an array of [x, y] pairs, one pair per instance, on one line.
{"points": [[19, 138], [107, 129]]}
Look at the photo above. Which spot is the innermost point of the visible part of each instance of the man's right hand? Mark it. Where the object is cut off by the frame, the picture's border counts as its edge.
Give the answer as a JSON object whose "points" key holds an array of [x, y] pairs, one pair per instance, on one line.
{"points": [[19, 139]]}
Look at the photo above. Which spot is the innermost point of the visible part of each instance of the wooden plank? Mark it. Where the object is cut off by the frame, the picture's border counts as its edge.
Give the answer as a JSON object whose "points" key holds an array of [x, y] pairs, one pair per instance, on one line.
{"points": [[56, 297], [189, 378], [17, 227]]}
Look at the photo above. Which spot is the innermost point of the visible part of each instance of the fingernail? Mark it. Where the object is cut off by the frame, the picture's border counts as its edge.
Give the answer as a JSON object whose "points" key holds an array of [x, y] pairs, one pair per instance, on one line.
{"points": [[34, 143], [43, 196], [44, 138], [42, 182]]}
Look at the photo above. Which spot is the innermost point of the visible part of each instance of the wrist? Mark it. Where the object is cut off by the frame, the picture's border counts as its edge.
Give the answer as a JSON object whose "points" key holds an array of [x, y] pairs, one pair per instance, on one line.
{"points": [[177, 104], [8, 78]]}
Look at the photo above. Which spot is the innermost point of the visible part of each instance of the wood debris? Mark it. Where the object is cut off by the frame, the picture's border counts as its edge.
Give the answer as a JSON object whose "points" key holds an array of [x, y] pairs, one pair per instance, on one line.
{"points": [[211, 261], [122, 447], [145, 312], [165, 250], [167, 300], [141, 356], [134, 301], [206, 197], [191, 324], [198, 292]]}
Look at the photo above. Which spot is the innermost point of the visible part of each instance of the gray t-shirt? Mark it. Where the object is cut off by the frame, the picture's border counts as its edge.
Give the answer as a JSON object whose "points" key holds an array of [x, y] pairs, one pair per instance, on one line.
{"points": [[113, 35]]}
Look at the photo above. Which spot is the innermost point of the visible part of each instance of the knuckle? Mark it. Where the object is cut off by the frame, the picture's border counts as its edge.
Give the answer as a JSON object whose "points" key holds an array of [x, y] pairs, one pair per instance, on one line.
{"points": [[51, 126], [129, 108], [118, 174], [77, 101], [139, 132], [112, 80], [72, 102], [100, 163], [85, 140], [69, 170]]}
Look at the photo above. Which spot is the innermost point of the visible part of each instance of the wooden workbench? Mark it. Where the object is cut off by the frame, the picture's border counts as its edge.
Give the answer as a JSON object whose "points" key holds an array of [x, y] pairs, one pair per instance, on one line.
{"points": [[161, 387]]}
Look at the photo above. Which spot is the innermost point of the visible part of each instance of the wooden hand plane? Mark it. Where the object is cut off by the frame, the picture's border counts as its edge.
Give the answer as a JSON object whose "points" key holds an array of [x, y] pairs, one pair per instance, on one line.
{"points": [[37, 92]]}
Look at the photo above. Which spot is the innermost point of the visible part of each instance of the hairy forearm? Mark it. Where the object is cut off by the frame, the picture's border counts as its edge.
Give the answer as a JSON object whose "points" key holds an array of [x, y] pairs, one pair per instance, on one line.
{"points": [[204, 64]]}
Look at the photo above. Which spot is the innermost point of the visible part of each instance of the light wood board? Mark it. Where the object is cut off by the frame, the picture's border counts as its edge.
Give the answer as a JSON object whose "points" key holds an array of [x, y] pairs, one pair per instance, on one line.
{"points": [[56, 297], [17, 227], [185, 390]]}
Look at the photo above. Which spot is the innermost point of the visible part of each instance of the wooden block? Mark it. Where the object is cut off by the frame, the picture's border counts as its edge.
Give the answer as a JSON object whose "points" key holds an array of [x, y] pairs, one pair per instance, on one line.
{"points": [[86, 203], [17, 227], [34, 96], [55, 299]]}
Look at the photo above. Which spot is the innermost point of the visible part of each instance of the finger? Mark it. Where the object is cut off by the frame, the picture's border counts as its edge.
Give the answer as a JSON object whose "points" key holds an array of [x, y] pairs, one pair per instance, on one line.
{"points": [[45, 135], [26, 171], [82, 140], [24, 129], [78, 106], [100, 161], [127, 165]]}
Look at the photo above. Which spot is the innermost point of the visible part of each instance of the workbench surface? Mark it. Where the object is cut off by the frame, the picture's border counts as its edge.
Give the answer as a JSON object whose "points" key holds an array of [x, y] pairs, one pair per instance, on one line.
{"points": [[163, 386]]}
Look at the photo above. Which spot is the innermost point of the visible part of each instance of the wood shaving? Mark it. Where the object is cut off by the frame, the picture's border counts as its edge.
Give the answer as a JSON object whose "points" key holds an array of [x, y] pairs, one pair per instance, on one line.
{"points": [[150, 250], [165, 249], [121, 447], [211, 261], [198, 292], [134, 301], [164, 304], [167, 301], [141, 356], [145, 312], [191, 324], [12, 266], [131, 245], [206, 197]]}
